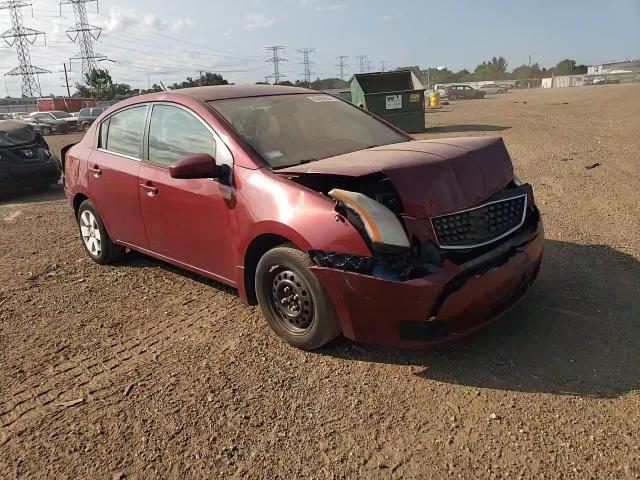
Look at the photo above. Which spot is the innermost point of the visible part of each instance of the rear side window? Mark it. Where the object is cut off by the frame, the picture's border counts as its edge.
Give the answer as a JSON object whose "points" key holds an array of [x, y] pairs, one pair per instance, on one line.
{"points": [[125, 131], [84, 112], [174, 134]]}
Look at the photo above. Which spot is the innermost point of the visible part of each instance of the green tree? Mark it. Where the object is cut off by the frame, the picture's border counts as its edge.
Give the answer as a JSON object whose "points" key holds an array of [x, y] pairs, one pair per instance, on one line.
{"points": [[524, 72], [569, 67], [100, 84], [494, 69], [206, 79]]}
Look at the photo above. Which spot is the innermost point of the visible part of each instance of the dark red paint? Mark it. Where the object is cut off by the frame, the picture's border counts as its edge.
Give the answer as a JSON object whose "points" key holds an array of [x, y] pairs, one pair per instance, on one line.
{"points": [[210, 226]]}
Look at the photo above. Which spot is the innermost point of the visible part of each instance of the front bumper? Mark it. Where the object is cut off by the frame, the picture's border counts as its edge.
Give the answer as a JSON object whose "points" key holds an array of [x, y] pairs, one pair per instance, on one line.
{"points": [[438, 308]]}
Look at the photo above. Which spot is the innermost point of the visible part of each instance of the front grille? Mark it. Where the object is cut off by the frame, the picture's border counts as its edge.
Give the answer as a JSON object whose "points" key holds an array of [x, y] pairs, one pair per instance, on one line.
{"points": [[480, 225]]}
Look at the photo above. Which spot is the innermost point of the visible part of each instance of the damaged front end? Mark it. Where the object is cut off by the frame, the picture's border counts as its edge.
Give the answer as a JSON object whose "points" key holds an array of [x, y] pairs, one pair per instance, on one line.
{"points": [[431, 280]]}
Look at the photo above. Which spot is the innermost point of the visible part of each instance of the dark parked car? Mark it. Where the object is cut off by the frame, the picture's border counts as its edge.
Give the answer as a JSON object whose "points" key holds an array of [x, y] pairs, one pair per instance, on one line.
{"points": [[87, 116], [25, 158], [463, 92], [331, 219], [54, 122]]}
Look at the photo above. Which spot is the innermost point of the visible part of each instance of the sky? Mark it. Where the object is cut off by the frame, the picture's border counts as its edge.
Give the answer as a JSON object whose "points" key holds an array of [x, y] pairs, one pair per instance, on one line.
{"points": [[160, 40]]}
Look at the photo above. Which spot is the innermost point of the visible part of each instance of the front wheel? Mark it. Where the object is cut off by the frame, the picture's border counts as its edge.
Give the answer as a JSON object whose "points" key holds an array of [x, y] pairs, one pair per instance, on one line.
{"points": [[85, 127], [94, 236], [46, 131], [293, 301]]}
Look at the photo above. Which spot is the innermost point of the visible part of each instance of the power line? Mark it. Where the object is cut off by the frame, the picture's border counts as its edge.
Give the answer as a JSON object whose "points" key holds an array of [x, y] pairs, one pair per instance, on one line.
{"points": [[307, 64], [276, 59], [21, 38], [341, 65], [84, 34]]}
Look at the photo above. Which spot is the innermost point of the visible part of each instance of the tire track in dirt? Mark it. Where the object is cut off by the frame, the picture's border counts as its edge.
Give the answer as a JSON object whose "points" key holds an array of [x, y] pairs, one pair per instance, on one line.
{"points": [[85, 377]]}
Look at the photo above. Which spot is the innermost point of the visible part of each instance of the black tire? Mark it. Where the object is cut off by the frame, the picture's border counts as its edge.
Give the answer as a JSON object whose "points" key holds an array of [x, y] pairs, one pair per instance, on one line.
{"points": [[45, 130], [85, 127], [314, 322], [108, 252]]}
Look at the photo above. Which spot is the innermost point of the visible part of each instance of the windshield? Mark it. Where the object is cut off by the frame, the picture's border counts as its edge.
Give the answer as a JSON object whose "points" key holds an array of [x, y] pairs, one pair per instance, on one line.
{"points": [[287, 130], [60, 115]]}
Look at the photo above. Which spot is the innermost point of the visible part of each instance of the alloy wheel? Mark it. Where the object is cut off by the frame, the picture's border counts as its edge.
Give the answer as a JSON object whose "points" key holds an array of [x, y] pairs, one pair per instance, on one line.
{"points": [[90, 232]]}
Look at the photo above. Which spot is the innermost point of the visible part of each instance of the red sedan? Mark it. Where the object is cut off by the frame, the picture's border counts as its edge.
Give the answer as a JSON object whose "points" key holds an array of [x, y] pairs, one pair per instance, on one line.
{"points": [[334, 221]]}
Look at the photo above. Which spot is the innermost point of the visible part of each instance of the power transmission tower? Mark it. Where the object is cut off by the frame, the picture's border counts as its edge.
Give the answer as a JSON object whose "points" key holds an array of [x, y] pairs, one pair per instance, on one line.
{"points": [[276, 59], [84, 34], [307, 64], [363, 62], [21, 38], [341, 65]]}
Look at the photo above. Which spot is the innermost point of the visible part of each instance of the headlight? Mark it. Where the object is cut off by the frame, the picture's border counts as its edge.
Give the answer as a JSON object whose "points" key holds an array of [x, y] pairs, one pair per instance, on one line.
{"points": [[381, 224]]}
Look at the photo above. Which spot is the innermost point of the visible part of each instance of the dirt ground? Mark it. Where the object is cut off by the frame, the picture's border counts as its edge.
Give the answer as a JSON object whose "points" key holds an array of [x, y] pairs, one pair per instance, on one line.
{"points": [[142, 371]]}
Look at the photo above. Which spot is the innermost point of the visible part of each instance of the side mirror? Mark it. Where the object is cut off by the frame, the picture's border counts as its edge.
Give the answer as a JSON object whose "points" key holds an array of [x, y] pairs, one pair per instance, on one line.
{"points": [[200, 165]]}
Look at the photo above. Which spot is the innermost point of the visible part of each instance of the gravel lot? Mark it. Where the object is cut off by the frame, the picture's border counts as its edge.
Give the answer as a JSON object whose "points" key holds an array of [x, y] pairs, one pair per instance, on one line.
{"points": [[143, 371]]}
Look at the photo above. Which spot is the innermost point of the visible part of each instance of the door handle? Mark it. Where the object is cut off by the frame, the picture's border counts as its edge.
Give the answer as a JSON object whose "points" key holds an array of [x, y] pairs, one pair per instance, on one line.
{"points": [[150, 189], [96, 171]]}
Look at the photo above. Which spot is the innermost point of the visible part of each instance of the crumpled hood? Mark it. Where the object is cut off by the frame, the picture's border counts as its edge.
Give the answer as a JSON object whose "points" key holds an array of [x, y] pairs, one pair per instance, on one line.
{"points": [[433, 177]]}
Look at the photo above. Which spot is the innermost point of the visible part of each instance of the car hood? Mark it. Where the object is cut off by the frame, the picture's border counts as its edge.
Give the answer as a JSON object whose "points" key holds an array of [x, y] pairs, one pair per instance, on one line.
{"points": [[432, 177]]}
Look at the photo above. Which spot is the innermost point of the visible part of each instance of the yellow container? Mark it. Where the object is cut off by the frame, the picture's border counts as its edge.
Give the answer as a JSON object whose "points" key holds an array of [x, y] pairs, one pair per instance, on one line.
{"points": [[434, 99]]}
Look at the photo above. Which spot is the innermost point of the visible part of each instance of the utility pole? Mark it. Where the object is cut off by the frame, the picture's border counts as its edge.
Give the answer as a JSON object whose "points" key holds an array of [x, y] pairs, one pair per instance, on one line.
{"points": [[276, 59], [84, 34], [368, 65], [363, 60], [66, 80], [307, 64], [21, 38], [341, 65], [383, 64]]}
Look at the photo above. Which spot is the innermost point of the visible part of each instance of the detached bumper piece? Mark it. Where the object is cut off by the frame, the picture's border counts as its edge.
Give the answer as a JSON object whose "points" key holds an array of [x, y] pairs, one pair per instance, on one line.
{"points": [[440, 307]]}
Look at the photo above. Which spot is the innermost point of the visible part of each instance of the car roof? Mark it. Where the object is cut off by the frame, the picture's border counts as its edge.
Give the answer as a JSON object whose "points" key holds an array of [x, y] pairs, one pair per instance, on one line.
{"points": [[223, 92]]}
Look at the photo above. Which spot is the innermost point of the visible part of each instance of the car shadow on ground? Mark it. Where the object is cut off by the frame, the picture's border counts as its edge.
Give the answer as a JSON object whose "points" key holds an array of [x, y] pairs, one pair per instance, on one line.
{"points": [[47, 194], [577, 333], [467, 128]]}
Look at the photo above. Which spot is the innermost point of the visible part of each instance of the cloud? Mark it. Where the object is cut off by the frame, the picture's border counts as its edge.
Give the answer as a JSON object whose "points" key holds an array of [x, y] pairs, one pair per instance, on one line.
{"points": [[255, 21], [321, 7], [390, 18], [120, 19]]}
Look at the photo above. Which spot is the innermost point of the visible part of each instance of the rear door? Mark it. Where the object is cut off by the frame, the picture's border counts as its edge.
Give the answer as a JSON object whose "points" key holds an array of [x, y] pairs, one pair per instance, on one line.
{"points": [[113, 175], [187, 220]]}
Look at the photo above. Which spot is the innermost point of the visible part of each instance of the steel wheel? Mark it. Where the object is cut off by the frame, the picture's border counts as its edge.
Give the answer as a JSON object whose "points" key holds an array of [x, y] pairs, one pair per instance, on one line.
{"points": [[292, 302], [91, 233]]}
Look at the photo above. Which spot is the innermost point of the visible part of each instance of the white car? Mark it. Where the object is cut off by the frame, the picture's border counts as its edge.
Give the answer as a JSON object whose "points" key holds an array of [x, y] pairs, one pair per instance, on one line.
{"points": [[491, 88], [439, 88]]}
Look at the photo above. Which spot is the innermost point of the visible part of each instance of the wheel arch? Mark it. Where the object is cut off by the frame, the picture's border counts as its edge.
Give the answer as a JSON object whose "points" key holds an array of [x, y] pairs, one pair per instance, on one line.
{"points": [[253, 253]]}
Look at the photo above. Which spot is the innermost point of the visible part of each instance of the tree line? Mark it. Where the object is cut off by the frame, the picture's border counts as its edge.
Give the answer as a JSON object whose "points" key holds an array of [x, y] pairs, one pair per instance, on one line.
{"points": [[497, 68]]}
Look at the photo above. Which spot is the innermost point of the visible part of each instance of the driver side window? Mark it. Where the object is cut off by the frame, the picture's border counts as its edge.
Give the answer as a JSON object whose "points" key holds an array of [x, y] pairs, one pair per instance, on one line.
{"points": [[174, 134]]}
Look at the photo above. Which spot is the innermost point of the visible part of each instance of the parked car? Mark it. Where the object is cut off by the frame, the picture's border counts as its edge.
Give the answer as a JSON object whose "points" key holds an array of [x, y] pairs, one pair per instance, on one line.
{"points": [[87, 116], [440, 89], [21, 116], [54, 122], [463, 92], [332, 220], [5, 116], [25, 158], [491, 89]]}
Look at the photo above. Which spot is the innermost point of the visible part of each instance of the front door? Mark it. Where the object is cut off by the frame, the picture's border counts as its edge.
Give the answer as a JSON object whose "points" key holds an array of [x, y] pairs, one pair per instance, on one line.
{"points": [[187, 220], [113, 175]]}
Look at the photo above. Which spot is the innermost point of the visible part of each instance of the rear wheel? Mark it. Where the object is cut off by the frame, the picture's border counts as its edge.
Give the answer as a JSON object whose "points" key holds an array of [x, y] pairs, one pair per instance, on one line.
{"points": [[45, 130], [94, 236], [85, 127], [293, 301]]}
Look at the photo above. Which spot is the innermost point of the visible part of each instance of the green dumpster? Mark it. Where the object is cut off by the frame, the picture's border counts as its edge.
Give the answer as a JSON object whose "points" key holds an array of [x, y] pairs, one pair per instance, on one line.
{"points": [[398, 97]]}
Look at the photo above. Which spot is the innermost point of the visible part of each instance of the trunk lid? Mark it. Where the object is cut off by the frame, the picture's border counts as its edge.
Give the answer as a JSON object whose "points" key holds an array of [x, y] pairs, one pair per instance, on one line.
{"points": [[432, 177]]}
